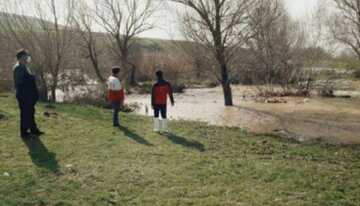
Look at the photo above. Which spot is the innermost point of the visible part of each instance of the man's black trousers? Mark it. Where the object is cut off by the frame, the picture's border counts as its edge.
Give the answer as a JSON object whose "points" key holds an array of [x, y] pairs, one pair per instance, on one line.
{"points": [[27, 117]]}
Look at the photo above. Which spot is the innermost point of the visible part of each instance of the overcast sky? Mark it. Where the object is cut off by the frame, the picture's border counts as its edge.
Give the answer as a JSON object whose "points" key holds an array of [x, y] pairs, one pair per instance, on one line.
{"points": [[167, 27], [166, 20]]}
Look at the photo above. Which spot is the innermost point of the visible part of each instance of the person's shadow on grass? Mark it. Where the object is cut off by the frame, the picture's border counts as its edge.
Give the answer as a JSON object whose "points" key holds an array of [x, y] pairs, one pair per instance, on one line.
{"points": [[192, 144], [137, 138], [41, 156]]}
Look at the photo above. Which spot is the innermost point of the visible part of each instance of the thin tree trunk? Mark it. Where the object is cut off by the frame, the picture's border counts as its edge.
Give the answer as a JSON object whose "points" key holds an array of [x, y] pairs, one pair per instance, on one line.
{"points": [[43, 88], [133, 75], [226, 86], [227, 94], [98, 73], [53, 94], [95, 64]]}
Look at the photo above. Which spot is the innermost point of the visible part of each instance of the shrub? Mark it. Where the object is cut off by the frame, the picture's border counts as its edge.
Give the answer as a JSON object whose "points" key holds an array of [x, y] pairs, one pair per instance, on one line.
{"points": [[357, 73], [327, 89], [6, 85], [178, 88]]}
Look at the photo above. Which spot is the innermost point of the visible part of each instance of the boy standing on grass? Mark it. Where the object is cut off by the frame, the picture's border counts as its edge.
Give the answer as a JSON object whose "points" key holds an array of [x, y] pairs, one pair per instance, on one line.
{"points": [[116, 94], [160, 91]]}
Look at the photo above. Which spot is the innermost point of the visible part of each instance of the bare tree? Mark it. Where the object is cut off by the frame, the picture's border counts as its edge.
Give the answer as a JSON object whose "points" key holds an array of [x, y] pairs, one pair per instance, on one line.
{"points": [[45, 36], [90, 41], [124, 20], [220, 25], [6, 83], [344, 24], [278, 49], [204, 63]]}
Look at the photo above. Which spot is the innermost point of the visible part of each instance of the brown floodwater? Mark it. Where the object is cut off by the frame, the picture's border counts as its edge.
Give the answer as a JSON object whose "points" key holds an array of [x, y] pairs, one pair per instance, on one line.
{"points": [[333, 120]]}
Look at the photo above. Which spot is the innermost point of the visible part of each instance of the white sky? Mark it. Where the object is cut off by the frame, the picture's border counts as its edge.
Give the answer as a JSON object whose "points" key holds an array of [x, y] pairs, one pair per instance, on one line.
{"points": [[301, 8], [166, 26], [167, 29]]}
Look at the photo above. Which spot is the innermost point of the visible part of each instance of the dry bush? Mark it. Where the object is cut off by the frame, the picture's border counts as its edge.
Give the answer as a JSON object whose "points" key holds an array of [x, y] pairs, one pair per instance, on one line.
{"points": [[327, 88], [357, 73], [176, 67], [279, 51]]}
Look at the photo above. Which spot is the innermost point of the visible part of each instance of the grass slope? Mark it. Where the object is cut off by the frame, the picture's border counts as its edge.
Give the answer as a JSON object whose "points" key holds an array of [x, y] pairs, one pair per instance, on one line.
{"points": [[82, 160]]}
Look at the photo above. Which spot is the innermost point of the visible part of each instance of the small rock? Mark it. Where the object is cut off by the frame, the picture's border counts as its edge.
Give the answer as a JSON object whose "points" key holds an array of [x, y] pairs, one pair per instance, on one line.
{"points": [[69, 165], [281, 131], [50, 114], [275, 101], [344, 96], [306, 100], [6, 174], [128, 108], [146, 110]]}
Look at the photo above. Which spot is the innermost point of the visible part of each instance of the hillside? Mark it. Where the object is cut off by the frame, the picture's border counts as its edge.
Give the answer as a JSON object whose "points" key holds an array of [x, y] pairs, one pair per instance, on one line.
{"points": [[82, 160], [15, 19], [145, 44]]}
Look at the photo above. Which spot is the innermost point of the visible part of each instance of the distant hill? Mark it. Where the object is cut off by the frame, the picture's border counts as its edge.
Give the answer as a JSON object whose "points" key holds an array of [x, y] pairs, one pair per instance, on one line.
{"points": [[15, 19], [159, 45], [145, 44]]}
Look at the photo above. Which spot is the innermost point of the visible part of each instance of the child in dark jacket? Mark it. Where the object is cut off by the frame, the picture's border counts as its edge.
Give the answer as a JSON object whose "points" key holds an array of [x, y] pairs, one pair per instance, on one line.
{"points": [[160, 91]]}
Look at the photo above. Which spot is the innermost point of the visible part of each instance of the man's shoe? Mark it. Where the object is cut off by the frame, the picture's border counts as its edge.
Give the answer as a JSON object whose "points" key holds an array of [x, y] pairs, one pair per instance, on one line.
{"points": [[116, 125], [37, 133], [27, 136]]}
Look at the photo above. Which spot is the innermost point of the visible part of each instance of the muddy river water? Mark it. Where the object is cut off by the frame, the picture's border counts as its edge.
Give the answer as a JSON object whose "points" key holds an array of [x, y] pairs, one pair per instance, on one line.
{"points": [[333, 120]]}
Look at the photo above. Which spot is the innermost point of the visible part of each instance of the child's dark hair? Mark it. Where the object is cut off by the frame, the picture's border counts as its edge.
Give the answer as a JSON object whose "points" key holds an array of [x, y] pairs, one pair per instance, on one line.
{"points": [[21, 53], [159, 74], [116, 70]]}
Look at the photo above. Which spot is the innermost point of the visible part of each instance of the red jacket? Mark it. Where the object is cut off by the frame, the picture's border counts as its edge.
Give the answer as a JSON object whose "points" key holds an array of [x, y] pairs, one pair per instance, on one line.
{"points": [[116, 96], [160, 92], [116, 93]]}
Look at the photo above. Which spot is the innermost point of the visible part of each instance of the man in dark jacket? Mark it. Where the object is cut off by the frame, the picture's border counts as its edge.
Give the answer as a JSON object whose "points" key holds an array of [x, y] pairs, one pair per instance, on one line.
{"points": [[160, 91], [27, 95]]}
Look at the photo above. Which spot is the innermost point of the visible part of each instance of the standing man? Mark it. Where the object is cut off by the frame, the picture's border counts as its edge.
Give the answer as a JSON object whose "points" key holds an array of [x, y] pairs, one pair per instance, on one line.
{"points": [[116, 94], [27, 95], [160, 91]]}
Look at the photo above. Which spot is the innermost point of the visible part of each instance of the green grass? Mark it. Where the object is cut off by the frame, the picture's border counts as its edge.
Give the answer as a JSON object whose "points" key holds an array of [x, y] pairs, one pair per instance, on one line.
{"points": [[82, 160]]}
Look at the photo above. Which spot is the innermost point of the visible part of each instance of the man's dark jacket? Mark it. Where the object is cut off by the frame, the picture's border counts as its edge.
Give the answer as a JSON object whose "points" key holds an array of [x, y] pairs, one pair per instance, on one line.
{"points": [[25, 84]]}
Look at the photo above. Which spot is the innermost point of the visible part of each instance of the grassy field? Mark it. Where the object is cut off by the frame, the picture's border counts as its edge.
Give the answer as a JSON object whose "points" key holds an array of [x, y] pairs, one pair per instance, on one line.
{"points": [[83, 160]]}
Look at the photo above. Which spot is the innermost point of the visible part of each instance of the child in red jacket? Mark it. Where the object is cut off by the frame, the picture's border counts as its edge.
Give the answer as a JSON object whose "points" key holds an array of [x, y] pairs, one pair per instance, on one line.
{"points": [[116, 94], [160, 91]]}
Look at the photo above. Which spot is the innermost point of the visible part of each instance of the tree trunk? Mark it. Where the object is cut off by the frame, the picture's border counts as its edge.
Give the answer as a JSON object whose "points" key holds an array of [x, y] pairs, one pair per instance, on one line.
{"points": [[53, 94], [43, 88], [96, 68], [43, 93], [133, 75], [227, 94], [225, 82]]}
